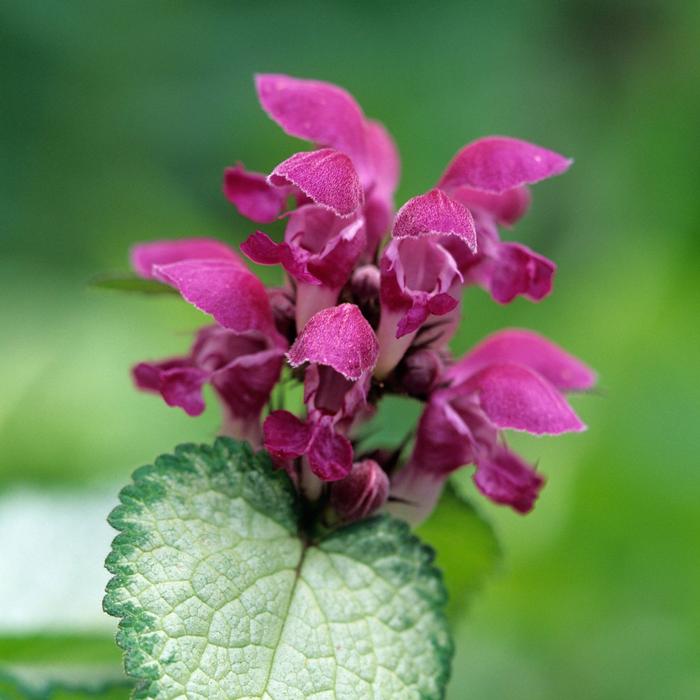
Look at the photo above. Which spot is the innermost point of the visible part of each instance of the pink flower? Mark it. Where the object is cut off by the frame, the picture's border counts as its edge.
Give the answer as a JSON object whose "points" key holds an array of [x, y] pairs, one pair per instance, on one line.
{"points": [[341, 350], [490, 176], [242, 368], [241, 358], [419, 276], [512, 380], [345, 189], [358, 318]]}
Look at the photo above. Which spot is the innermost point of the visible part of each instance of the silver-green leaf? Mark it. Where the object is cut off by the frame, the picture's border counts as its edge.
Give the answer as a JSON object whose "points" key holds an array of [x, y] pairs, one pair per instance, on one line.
{"points": [[221, 597]]}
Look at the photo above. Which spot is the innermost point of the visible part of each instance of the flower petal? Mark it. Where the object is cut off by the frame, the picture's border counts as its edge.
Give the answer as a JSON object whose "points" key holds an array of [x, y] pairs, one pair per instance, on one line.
{"points": [[326, 176], [315, 111], [505, 208], [145, 255], [285, 436], [339, 337], [245, 384], [498, 163], [523, 347], [225, 289], [260, 248], [177, 381], [329, 454], [503, 477], [435, 214], [384, 157], [514, 270], [252, 195], [513, 396]]}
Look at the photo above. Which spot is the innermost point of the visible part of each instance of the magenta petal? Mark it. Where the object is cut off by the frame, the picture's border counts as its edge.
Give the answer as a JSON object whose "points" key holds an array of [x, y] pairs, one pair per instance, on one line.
{"points": [[226, 290], [145, 256], [505, 478], [329, 245], [513, 396], [505, 208], [442, 304], [177, 381], [523, 347], [435, 214], [513, 270], [339, 337], [315, 111], [384, 157], [285, 436], [413, 319], [260, 248], [361, 492], [245, 384], [329, 454], [498, 163], [326, 176], [252, 195]]}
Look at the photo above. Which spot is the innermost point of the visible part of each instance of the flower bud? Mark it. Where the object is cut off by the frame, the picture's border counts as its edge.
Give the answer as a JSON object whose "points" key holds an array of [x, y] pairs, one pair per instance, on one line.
{"points": [[365, 283], [420, 372], [362, 492]]}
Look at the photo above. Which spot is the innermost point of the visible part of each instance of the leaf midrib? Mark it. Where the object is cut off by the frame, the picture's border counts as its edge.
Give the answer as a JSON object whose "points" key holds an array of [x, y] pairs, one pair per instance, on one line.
{"points": [[297, 577]]}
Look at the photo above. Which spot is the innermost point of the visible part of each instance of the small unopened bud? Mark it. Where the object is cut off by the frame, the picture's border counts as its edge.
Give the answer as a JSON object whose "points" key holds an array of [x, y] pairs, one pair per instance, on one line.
{"points": [[362, 492], [420, 372], [365, 283]]}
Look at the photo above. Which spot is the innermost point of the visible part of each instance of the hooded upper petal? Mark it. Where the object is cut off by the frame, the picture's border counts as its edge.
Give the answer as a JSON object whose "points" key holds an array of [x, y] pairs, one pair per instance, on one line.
{"points": [[516, 397], [435, 214], [498, 163], [253, 196], [316, 111], [523, 347], [145, 255], [225, 289], [326, 176], [339, 337]]}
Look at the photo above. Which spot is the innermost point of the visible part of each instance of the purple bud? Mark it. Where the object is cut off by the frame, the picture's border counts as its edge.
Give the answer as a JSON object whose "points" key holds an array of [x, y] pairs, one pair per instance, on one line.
{"points": [[365, 283], [420, 372], [362, 492]]}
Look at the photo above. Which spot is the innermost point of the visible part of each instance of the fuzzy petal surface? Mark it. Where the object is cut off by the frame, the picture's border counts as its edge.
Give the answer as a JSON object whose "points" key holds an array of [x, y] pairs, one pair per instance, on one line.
{"points": [[326, 176], [316, 111], [145, 256], [253, 195], [225, 289], [499, 163], [513, 396], [523, 347], [339, 337], [435, 214]]}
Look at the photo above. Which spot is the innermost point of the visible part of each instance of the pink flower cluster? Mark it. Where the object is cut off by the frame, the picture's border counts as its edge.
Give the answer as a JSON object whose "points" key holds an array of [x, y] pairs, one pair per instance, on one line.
{"points": [[370, 302]]}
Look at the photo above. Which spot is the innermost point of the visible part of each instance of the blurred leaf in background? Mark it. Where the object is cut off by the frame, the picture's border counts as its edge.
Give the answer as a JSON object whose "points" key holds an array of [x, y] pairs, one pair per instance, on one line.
{"points": [[117, 122]]}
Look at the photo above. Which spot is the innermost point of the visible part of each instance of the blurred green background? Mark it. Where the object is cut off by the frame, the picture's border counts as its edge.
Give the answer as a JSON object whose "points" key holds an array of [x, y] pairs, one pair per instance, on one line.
{"points": [[117, 120]]}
